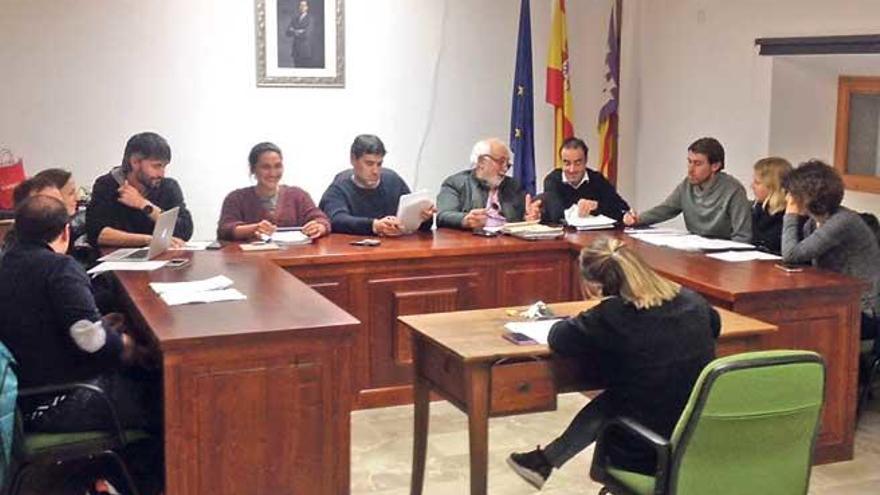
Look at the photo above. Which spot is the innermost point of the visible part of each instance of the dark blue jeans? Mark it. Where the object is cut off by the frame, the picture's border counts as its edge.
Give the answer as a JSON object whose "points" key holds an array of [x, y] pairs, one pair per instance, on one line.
{"points": [[581, 432]]}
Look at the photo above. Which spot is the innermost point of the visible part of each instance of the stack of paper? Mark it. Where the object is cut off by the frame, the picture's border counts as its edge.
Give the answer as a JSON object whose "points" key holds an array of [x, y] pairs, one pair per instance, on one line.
{"points": [[532, 231], [535, 330], [589, 222], [213, 289]]}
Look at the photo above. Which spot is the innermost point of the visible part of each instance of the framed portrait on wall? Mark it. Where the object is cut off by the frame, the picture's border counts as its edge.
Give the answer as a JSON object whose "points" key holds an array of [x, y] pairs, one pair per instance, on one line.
{"points": [[300, 43]]}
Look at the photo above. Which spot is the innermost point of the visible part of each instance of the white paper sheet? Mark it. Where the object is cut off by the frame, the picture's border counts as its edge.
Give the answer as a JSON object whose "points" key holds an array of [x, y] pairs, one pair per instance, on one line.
{"points": [[410, 208], [175, 298], [691, 242], [193, 246], [290, 237], [261, 246], [588, 222], [213, 283], [735, 256], [126, 266], [535, 330]]}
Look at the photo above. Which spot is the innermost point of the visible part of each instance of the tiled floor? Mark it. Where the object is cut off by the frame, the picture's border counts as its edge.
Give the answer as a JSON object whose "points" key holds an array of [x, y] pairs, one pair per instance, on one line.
{"points": [[382, 453]]}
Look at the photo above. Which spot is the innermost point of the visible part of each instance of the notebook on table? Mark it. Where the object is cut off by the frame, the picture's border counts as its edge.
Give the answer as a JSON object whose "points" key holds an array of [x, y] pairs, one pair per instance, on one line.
{"points": [[163, 231]]}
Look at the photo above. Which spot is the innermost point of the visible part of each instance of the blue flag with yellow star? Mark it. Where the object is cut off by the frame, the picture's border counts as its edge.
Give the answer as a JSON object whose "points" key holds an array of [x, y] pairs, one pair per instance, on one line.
{"points": [[522, 140]]}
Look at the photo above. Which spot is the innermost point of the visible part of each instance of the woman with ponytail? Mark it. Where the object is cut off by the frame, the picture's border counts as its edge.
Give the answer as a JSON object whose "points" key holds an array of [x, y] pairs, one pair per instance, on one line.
{"points": [[652, 338]]}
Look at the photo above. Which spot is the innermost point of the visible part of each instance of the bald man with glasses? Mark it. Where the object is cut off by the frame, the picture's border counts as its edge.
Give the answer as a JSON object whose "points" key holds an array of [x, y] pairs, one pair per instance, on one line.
{"points": [[484, 196]]}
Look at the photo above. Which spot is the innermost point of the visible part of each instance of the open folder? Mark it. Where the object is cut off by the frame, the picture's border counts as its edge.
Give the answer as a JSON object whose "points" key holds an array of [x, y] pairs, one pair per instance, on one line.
{"points": [[410, 208]]}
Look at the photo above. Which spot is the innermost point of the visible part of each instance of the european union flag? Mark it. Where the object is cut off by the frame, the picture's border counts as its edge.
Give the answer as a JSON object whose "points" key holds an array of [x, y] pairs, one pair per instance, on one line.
{"points": [[522, 139]]}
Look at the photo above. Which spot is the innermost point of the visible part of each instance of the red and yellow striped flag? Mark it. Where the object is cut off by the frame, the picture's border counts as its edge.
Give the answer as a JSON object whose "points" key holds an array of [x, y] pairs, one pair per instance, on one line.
{"points": [[558, 80]]}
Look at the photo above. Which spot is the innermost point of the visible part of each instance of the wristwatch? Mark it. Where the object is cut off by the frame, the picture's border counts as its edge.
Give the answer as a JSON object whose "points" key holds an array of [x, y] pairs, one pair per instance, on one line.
{"points": [[148, 209]]}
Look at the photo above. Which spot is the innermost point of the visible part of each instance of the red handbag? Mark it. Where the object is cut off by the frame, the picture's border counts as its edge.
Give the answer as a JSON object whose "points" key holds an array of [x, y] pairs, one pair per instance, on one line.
{"points": [[11, 175]]}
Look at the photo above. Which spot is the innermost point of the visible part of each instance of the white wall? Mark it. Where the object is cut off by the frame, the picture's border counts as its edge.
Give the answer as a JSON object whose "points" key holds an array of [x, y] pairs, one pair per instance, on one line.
{"points": [[699, 74], [80, 76]]}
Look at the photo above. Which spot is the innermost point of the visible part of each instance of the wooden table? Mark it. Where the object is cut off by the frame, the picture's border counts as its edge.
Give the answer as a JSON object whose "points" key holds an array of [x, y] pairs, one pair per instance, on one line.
{"points": [[462, 357], [229, 430], [257, 393]]}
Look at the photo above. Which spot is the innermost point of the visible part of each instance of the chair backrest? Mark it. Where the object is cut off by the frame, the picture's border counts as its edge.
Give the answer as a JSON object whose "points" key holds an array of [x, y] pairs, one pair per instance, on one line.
{"points": [[750, 425], [8, 397]]}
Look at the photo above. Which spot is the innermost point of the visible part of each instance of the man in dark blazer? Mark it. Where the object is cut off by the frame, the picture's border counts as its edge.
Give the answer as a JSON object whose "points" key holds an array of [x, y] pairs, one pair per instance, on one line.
{"points": [[303, 31]]}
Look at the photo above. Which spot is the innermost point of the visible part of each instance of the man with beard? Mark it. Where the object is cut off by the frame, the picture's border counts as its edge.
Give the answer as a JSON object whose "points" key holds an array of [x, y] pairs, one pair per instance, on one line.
{"points": [[127, 201], [483, 196]]}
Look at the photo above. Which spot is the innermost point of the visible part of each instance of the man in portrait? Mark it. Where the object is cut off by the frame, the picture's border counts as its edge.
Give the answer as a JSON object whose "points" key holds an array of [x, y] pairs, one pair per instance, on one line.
{"points": [[303, 29]]}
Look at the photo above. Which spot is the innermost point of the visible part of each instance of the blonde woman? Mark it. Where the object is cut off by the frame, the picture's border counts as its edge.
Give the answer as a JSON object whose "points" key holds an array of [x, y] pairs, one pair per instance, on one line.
{"points": [[769, 207], [652, 338]]}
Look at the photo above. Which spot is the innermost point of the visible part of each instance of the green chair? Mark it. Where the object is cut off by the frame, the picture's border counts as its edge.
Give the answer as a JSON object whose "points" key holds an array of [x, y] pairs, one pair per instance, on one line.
{"points": [[749, 427], [31, 451]]}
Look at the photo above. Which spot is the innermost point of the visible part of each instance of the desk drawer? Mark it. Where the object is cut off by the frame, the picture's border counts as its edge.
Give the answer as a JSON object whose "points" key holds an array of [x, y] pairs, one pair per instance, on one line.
{"points": [[521, 387]]}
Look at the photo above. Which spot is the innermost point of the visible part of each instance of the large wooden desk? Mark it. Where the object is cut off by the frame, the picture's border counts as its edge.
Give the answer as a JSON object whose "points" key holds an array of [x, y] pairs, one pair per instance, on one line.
{"points": [[257, 393], [462, 357], [247, 384]]}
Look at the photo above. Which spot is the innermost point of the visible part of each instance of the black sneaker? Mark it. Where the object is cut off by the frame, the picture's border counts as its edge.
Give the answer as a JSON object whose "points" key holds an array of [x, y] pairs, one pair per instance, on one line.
{"points": [[531, 466]]}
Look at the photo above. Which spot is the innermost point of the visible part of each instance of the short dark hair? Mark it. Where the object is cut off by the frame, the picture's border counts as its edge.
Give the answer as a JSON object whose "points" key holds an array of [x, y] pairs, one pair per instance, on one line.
{"points": [[147, 145], [367, 144], [259, 149], [710, 147], [574, 143], [57, 176], [40, 219], [816, 186], [30, 186]]}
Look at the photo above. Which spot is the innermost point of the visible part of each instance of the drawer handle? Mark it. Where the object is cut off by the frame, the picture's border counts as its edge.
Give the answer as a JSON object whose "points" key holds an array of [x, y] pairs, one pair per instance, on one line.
{"points": [[524, 387]]}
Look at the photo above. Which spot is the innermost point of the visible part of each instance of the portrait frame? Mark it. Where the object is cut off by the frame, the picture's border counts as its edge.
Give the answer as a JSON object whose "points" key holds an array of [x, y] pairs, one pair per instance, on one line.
{"points": [[291, 53]]}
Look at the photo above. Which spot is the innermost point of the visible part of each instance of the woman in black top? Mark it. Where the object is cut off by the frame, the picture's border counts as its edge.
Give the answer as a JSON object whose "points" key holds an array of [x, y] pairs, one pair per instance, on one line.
{"points": [[652, 338], [769, 206]]}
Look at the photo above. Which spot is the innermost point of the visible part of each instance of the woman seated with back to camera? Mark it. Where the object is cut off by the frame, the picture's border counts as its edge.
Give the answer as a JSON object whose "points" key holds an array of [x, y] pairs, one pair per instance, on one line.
{"points": [[256, 211], [652, 338], [834, 238], [769, 206]]}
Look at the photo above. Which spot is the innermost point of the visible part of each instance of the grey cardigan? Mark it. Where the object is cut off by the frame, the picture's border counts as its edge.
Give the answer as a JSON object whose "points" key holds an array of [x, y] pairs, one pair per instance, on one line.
{"points": [[842, 244], [463, 192], [718, 208]]}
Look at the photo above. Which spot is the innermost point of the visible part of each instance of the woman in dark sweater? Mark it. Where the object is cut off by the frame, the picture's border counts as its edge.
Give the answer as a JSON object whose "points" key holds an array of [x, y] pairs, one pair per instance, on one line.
{"points": [[652, 338], [769, 206], [251, 212], [834, 238]]}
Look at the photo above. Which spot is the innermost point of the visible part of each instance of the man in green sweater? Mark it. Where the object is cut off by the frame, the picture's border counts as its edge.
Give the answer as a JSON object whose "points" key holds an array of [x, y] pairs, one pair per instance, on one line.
{"points": [[713, 203]]}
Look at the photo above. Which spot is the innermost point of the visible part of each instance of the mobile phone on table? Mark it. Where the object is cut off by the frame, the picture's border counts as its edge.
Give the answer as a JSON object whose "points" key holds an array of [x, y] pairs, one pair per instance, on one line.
{"points": [[789, 268], [214, 245], [177, 262], [519, 338], [487, 233], [366, 242]]}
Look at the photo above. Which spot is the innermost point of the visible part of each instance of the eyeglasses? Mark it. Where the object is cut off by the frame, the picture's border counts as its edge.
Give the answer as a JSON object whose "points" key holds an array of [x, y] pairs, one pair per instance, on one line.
{"points": [[501, 161]]}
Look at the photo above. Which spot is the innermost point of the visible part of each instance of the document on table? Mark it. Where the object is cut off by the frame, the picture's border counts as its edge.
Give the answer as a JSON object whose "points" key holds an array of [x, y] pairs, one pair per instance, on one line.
{"points": [[260, 246], [126, 266], [410, 208], [743, 256], [588, 222], [290, 237], [213, 283], [692, 242], [214, 289], [175, 297], [535, 330]]}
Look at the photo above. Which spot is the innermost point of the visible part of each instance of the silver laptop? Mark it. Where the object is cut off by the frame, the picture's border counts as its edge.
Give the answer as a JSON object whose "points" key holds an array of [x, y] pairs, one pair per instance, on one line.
{"points": [[162, 233]]}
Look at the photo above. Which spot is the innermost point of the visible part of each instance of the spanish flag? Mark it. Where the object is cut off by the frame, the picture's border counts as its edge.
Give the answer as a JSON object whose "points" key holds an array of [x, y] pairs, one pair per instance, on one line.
{"points": [[608, 116], [558, 80]]}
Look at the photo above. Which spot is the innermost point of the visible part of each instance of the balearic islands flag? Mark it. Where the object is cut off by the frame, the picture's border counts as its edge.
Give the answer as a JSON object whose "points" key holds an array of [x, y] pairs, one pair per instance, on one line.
{"points": [[608, 115], [558, 80]]}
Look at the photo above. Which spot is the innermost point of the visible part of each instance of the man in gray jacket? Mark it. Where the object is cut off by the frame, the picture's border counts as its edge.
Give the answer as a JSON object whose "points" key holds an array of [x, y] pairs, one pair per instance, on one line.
{"points": [[483, 196], [713, 203]]}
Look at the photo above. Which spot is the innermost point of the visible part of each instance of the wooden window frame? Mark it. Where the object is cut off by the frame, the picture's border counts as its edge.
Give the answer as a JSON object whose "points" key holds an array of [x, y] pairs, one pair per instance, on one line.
{"points": [[846, 86]]}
